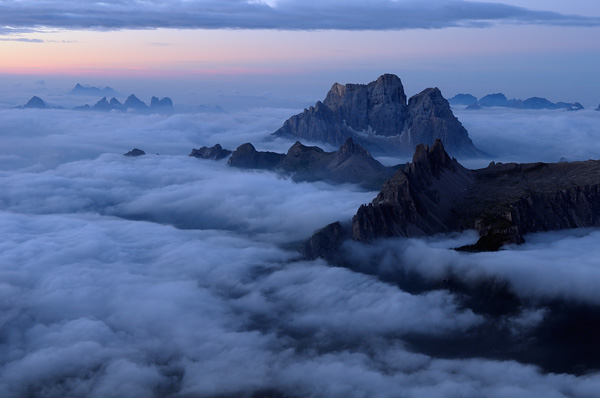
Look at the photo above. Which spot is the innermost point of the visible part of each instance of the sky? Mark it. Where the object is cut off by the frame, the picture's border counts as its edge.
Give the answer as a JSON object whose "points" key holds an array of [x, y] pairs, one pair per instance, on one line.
{"points": [[522, 48]]}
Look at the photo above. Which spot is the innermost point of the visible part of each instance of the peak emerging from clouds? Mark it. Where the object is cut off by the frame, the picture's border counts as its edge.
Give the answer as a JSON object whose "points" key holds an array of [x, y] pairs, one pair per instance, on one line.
{"points": [[285, 14]]}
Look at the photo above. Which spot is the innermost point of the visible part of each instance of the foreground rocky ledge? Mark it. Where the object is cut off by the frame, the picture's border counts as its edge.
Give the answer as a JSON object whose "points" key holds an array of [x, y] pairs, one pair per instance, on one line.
{"points": [[503, 202]]}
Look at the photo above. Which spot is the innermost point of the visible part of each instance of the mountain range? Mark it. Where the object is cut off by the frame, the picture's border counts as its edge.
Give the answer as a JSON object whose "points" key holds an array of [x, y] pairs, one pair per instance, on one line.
{"points": [[499, 99], [351, 164], [80, 89], [132, 104]]}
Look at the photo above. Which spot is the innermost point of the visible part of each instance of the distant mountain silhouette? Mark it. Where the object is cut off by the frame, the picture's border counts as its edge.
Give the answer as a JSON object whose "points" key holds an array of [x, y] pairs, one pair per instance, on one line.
{"points": [[500, 99], [463, 99], [92, 91], [34, 103], [164, 105], [132, 104]]}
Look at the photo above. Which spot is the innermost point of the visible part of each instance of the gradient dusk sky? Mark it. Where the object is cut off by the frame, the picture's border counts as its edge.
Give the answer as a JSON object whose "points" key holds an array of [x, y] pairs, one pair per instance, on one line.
{"points": [[523, 48]]}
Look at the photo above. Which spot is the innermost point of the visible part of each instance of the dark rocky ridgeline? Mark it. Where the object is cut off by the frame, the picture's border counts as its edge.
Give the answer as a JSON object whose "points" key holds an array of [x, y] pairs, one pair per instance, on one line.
{"points": [[214, 152], [350, 164], [503, 202], [135, 152], [378, 116]]}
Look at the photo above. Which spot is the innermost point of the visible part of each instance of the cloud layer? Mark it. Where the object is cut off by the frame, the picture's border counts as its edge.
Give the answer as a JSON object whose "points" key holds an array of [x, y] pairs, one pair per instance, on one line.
{"points": [[166, 275], [283, 14]]}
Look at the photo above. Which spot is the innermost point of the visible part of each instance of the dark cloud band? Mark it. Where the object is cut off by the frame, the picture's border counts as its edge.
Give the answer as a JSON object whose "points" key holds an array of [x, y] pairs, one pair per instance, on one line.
{"points": [[284, 15]]}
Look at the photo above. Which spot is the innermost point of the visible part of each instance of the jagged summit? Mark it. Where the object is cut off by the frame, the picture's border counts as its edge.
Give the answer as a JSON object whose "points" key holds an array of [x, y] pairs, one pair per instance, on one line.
{"points": [[379, 117]]}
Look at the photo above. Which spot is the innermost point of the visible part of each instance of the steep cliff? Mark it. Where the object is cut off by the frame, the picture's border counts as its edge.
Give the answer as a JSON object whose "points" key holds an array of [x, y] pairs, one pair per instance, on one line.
{"points": [[503, 202], [378, 116]]}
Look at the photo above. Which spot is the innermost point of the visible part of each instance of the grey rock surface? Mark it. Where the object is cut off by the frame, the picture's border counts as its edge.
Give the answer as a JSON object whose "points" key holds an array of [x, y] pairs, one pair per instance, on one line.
{"points": [[378, 117]]}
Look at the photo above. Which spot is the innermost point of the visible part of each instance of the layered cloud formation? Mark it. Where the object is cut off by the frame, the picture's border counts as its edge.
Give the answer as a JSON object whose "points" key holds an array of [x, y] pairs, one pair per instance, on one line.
{"points": [[282, 14], [166, 275]]}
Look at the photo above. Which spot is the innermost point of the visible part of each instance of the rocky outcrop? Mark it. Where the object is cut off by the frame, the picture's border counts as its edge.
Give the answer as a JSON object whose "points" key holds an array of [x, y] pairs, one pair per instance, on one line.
{"points": [[325, 242], [247, 157], [378, 117], [135, 152], [350, 164], [503, 202], [214, 152]]}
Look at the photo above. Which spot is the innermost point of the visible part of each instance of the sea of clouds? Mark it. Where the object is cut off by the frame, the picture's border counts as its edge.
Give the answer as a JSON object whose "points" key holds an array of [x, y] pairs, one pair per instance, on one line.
{"points": [[170, 276]]}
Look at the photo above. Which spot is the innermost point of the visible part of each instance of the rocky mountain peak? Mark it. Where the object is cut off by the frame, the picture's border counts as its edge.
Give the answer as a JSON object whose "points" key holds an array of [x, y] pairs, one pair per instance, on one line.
{"points": [[215, 152], [430, 101], [134, 102], [431, 160], [35, 103], [379, 117]]}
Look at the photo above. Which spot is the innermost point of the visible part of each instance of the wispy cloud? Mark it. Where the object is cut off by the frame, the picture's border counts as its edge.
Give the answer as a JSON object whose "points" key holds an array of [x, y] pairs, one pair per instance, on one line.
{"points": [[22, 39], [285, 14]]}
